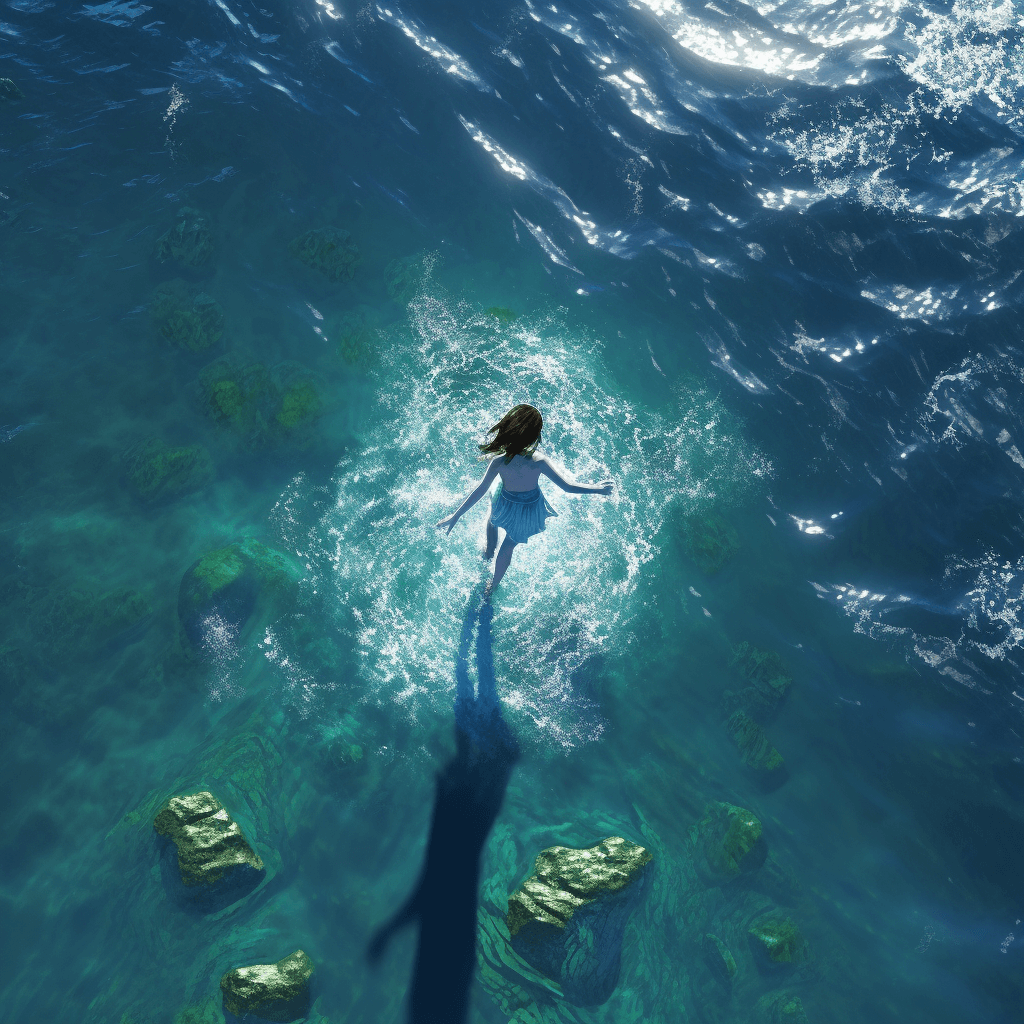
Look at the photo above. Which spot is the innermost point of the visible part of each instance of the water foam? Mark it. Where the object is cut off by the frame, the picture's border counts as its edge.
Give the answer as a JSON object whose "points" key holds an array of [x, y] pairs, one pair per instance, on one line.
{"points": [[401, 587]]}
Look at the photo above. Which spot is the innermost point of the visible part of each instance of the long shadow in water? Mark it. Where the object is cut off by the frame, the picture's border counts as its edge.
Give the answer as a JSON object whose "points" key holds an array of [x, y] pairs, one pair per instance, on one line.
{"points": [[470, 791]]}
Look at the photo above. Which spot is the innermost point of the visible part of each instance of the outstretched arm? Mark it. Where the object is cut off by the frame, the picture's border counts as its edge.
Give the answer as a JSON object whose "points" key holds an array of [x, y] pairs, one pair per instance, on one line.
{"points": [[605, 487], [478, 492]]}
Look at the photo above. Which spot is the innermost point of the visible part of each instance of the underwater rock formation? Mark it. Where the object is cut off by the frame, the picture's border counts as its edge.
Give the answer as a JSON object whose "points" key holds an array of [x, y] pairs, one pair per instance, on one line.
{"points": [[259, 407], [227, 584], [278, 992], [354, 335], [719, 960], [9, 91], [710, 541], [568, 918], [403, 277], [211, 846], [755, 748], [158, 472], [769, 682], [781, 1008], [189, 241], [83, 622], [776, 942], [329, 250], [502, 314], [188, 318], [727, 842]]}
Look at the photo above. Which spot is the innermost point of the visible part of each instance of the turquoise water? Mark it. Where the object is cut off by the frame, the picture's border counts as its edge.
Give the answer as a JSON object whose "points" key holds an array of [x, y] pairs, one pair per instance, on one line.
{"points": [[771, 297]]}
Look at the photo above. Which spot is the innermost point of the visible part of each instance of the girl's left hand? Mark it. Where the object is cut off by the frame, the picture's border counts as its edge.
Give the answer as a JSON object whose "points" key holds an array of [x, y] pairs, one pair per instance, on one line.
{"points": [[447, 524]]}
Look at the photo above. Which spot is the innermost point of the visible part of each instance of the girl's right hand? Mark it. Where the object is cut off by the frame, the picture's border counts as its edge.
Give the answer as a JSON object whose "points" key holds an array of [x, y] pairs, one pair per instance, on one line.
{"points": [[605, 488]]}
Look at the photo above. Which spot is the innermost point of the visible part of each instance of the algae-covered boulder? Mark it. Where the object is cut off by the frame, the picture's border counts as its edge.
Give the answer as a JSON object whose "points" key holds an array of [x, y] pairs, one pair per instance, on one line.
{"points": [[329, 250], [158, 472], [710, 541], [754, 746], [300, 403], [9, 91], [227, 585], [186, 317], [354, 335], [769, 682], [781, 1008], [502, 314], [403, 277], [720, 962], [568, 918], [727, 842], [777, 943], [189, 241], [278, 992], [213, 854]]}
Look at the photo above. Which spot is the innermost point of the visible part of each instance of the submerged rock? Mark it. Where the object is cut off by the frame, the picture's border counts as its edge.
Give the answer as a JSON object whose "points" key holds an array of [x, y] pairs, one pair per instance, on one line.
{"points": [[502, 314], [158, 472], [186, 317], [781, 1008], [329, 250], [710, 541], [727, 842], [403, 277], [754, 746], [9, 91], [777, 942], [720, 962], [206, 1012], [355, 336], [85, 622], [568, 918], [189, 241], [769, 682], [211, 846], [227, 584], [278, 992]]}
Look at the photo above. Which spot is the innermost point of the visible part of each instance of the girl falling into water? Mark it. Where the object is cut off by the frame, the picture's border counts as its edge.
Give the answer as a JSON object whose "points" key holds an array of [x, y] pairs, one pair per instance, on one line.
{"points": [[518, 507]]}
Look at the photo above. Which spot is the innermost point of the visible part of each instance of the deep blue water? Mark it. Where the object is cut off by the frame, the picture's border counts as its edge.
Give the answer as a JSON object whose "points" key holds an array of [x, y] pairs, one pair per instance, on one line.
{"points": [[758, 264]]}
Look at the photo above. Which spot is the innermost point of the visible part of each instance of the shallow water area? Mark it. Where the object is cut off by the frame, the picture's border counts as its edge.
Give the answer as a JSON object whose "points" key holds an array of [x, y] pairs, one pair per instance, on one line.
{"points": [[268, 275]]}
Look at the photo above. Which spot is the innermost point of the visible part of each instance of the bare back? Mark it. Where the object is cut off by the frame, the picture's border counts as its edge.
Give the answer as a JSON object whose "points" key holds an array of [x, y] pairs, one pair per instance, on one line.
{"points": [[521, 474]]}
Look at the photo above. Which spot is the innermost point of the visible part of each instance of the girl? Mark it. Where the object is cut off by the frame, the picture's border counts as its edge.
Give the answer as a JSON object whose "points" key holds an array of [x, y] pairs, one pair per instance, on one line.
{"points": [[518, 507]]}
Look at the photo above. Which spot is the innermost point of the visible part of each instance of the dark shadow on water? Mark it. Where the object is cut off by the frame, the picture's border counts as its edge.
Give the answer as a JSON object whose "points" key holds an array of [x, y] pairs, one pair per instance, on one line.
{"points": [[469, 794]]}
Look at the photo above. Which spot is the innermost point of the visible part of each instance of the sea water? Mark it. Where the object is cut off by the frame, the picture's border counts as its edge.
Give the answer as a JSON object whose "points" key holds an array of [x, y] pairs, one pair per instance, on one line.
{"points": [[757, 264]]}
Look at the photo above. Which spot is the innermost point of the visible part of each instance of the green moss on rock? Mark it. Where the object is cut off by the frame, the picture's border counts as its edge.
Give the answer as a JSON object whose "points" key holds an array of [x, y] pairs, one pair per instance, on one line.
{"points": [[241, 399], [188, 318], [719, 960], [781, 1008], [727, 842], [769, 682], [355, 336], [159, 472], [300, 405], [754, 746], [277, 992], [502, 314], [777, 942], [329, 250], [189, 241], [710, 541]]}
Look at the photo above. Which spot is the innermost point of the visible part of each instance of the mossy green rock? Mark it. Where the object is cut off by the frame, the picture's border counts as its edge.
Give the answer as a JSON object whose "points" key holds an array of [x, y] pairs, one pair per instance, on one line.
{"points": [[242, 399], [719, 960], [228, 583], [189, 241], [777, 942], [300, 406], [158, 472], [769, 682], [277, 992], [210, 843], [727, 842], [355, 336], [502, 314], [754, 746], [781, 1008], [329, 250], [568, 918], [188, 318], [710, 541]]}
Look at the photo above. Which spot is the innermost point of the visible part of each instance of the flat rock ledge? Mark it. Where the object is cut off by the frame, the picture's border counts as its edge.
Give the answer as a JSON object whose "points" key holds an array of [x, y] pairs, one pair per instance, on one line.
{"points": [[211, 846], [568, 918], [277, 992]]}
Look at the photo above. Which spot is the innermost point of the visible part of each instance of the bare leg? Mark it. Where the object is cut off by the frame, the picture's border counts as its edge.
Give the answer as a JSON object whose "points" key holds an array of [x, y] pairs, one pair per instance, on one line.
{"points": [[501, 563], [492, 541]]}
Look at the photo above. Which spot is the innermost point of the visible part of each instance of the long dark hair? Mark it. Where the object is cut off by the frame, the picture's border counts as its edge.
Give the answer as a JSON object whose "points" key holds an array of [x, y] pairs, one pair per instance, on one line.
{"points": [[516, 433]]}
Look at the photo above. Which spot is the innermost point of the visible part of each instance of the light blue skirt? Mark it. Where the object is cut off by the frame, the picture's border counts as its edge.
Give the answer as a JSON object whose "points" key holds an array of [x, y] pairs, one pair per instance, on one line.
{"points": [[521, 514]]}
